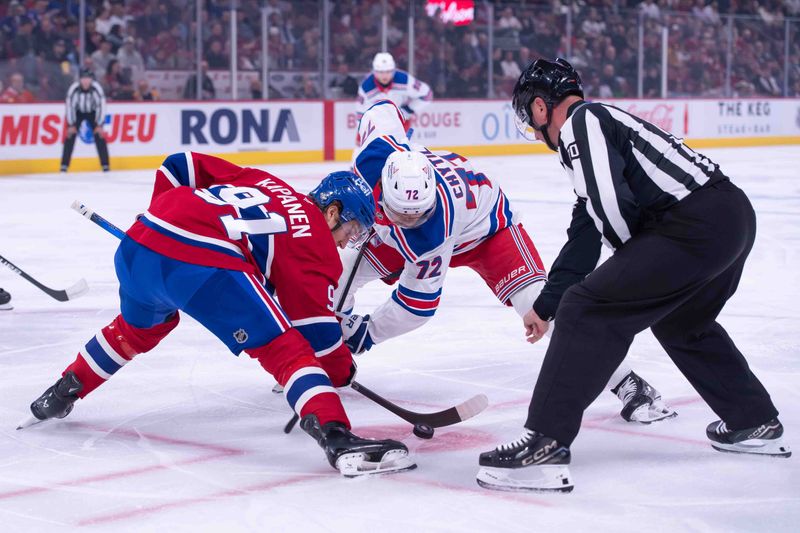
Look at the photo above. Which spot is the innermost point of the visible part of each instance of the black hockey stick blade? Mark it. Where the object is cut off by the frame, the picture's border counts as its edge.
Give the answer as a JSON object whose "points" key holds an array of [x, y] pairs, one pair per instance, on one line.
{"points": [[291, 423], [448, 417], [70, 293]]}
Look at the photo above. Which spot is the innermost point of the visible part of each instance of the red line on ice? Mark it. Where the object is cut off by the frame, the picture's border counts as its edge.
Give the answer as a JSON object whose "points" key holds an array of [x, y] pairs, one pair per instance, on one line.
{"points": [[218, 452]]}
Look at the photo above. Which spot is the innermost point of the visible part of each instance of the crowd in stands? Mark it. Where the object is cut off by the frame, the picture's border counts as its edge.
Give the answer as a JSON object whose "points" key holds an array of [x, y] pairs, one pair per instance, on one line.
{"points": [[125, 39]]}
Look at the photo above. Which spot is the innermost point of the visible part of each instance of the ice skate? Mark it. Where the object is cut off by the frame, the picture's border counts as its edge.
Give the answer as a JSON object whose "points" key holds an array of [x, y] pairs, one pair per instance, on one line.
{"points": [[353, 456], [56, 402], [533, 462], [641, 403], [5, 301], [766, 439]]}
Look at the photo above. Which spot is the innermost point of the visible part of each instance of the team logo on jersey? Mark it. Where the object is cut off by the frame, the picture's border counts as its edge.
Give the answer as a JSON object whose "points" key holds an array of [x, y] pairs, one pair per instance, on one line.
{"points": [[240, 335], [572, 150]]}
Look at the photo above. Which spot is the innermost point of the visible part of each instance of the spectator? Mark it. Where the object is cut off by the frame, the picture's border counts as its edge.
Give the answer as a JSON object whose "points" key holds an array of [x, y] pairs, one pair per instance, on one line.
{"points": [[649, 8], [310, 89], [256, 89], [16, 93], [115, 37], [102, 23], [344, 82], [144, 92], [130, 58], [24, 42], [101, 58], [208, 90], [117, 82], [610, 84], [509, 66], [216, 56]]}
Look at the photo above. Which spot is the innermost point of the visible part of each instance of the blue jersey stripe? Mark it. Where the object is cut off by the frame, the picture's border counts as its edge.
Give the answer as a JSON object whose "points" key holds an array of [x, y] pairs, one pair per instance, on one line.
{"points": [[429, 296], [99, 355], [321, 335], [176, 164], [305, 383]]}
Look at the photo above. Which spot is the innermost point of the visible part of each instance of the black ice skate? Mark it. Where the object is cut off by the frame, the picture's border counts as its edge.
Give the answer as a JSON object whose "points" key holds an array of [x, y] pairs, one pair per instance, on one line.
{"points": [[533, 462], [5, 301], [765, 439], [640, 401], [353, 456], [56, 402]]}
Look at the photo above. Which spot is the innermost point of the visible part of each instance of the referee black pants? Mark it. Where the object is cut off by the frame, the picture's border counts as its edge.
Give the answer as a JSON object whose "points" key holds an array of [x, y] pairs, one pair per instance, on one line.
{"points": [[673, 277], [69, 142]]}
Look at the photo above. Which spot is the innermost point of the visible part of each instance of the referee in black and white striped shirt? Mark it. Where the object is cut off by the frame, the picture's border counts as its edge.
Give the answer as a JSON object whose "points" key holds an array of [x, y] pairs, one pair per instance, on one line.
{"points": [[681, 232], [85, 102]]}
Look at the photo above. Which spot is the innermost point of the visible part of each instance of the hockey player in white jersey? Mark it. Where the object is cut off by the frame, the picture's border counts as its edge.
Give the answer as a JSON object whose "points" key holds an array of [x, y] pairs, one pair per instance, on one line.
{"points": [[386, 82], [435, 212]]}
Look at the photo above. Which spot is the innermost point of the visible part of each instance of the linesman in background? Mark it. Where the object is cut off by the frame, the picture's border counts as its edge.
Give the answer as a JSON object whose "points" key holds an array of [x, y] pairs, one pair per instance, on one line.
{"points": [[86, 101], [680, 231]]}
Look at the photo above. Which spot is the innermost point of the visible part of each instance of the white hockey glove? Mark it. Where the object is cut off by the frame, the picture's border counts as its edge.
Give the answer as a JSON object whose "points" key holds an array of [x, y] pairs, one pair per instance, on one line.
{"points": [[355, 330]]}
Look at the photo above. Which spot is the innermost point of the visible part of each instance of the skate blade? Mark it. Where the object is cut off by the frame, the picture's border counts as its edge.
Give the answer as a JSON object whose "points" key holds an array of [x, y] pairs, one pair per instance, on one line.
{"points": [[6, 307], [356, 464], [543, 478], [647, 414], [277, 389], [28, 422], [770, 448]]}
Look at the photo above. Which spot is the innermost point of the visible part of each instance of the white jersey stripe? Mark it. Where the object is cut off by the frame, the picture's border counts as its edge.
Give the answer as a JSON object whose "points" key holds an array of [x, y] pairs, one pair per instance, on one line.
{"points": [[603, 179], [94, 366], [309, 394], [190, 165], [167, 174], [111, 352], [189, 235], [314, 320]]}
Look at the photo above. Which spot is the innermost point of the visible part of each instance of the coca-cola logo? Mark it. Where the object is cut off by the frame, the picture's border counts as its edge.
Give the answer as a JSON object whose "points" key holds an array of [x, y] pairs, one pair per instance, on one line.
{"points": [[456, 12], [662, 115]]}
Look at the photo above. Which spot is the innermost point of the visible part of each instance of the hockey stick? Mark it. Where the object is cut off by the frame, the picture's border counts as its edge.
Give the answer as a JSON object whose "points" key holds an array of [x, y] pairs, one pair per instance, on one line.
{"points": [[447, 417], [97, 219], [70, 293]]}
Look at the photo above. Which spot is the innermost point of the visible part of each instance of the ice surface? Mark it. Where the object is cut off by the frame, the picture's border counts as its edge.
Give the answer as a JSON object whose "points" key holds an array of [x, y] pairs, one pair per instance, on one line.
{"points": [[189, 438]]}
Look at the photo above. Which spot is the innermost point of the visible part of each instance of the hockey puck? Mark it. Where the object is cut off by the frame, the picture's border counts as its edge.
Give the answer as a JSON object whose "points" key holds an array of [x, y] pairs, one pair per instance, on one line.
{"points": [[423, 431]]}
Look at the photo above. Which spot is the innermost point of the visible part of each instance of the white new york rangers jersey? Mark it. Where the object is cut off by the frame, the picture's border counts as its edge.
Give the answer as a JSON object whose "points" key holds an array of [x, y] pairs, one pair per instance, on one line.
{"points": [[406, 92], [469, 209]]}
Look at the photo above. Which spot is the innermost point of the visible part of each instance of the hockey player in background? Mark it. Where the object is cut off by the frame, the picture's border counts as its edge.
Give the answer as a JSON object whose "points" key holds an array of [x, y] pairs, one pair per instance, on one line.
{"points": [[680, 231], [386, 82], [225, 244], [435, 212]]}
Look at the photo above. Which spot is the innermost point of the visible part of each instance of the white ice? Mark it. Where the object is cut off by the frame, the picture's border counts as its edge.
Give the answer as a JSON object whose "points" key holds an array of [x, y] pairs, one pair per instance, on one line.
{"points": [[189, 438]]}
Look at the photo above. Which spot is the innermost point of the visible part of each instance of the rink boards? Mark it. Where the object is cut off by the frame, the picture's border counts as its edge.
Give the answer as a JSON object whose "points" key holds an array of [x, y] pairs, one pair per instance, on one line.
{"points": [[261, 132]]}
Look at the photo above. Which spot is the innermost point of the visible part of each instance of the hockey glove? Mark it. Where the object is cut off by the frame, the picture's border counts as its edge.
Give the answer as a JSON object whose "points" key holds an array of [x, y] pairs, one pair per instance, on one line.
{"points": [[355, 330]]}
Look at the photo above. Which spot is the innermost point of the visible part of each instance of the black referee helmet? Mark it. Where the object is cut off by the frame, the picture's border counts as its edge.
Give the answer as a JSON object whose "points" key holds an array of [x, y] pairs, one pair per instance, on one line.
{"points": [[552, 81], [86, 73]]}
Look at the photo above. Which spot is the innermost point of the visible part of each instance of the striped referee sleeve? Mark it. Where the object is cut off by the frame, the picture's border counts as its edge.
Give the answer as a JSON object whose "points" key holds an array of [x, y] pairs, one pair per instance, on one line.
{"points": [[598, 175]]}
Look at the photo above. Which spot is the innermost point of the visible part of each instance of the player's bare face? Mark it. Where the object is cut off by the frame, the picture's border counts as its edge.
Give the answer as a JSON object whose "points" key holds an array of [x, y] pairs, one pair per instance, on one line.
{"points": [[384, 77]]}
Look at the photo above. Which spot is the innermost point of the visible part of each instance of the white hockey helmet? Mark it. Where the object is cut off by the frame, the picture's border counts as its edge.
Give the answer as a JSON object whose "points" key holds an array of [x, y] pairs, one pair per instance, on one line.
{"points": [[409, 189], [383, 62]]}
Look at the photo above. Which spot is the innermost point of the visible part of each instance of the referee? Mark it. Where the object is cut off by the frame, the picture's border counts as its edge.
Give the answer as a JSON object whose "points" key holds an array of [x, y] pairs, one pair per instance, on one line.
{"points": [[680, 231], [85, 102]]}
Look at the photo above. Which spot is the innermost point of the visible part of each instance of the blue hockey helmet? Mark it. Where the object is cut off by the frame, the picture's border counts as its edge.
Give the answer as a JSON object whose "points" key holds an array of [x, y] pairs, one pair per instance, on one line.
{"points": [[353, 194]]}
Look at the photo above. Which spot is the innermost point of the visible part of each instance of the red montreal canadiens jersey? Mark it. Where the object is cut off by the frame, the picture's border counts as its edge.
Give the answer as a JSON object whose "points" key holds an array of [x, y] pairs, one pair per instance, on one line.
{"points": [[207, 211]]}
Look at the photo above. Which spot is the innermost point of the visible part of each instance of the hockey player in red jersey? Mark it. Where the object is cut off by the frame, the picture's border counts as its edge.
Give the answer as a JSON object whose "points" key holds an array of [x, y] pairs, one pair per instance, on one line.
{"points": [[224, 244]]}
